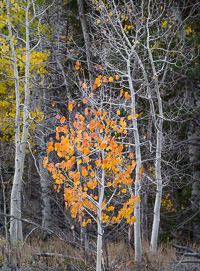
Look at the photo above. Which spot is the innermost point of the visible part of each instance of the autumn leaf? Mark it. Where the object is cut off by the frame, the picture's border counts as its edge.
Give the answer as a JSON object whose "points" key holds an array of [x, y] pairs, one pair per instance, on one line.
{"points": [[126, 95], [117, 77], [85, 101], [77, 66], [131, 155], [58, 117], [110, 79], [75, 124], [133, 220], [86, 111], [98, 162], [84, 85], [45, 162], [105, 80], [62, 120], [91, 95], [70, 106], [129, 117], [118, 112], [98, 21]]}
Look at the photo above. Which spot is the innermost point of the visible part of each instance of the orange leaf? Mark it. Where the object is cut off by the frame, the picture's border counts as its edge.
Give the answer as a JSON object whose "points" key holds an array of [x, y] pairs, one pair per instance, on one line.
{"points": [[105, 80], [86, 111], [98, 113], [75, 124], [98, 21], [77, 66], [53, 104], [59, 129], [58, 117], [117, 77], [131, 155], [62, 120], [45, 162], [98, 162], [94, 86], [129, 117], [118, 112], [70, 106], [84, 85], [121, 92], [85, 101], [91, 95], [126, 95]]}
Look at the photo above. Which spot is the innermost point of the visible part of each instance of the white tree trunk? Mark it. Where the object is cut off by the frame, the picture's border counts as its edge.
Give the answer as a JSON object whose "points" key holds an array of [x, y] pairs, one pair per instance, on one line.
{"points": [[16, 234], [159, 186], [99, 222], [137, 226]]}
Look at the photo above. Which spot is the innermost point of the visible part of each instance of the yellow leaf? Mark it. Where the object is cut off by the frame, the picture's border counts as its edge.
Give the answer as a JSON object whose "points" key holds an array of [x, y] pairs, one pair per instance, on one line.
{"points": [[118, 112], [98, 21], [110, 79], [117, 77], [154, 77], [79, 162], [129, 117]]}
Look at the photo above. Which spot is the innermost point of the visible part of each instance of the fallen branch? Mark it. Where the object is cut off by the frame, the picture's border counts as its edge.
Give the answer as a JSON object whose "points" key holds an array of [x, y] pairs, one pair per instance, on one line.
{"points": [[183, 248], [189, 252], [195, 254]]}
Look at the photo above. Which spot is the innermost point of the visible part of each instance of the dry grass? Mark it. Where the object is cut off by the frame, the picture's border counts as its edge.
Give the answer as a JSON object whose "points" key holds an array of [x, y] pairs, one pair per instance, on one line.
{"points": [[27, 255], [117, 256]]}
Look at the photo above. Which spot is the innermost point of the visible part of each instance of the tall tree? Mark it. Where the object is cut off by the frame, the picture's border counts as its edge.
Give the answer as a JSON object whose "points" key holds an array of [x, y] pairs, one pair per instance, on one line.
{"points": [[20, 18]]}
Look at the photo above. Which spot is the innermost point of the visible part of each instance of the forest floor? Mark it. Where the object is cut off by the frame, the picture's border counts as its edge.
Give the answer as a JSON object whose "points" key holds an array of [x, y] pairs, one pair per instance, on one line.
{"points": [[56, 255]]}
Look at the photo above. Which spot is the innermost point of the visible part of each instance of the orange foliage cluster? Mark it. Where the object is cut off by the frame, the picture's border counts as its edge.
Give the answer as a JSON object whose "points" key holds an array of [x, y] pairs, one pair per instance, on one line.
{"points": [[84, 152]]}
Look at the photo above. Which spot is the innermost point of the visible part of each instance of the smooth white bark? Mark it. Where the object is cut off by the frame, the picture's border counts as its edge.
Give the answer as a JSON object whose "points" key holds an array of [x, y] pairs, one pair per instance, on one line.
{"points": [[99, 222], [16, 234], [137, 226]]}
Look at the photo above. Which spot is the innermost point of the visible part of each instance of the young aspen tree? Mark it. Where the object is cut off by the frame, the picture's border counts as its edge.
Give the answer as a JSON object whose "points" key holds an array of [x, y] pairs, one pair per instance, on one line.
{"points": [[20, 60], [94, 168]]}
